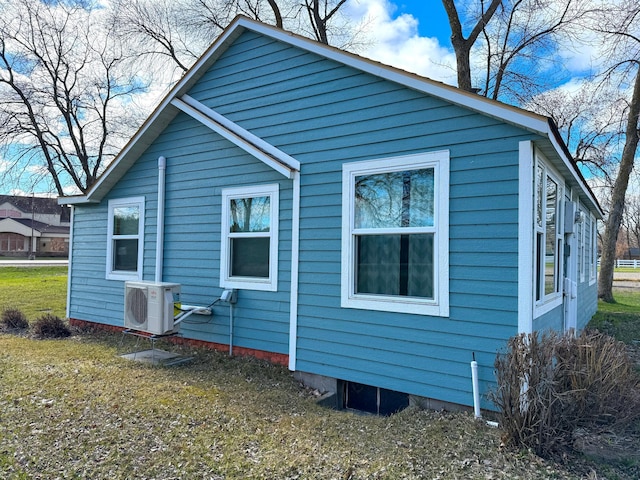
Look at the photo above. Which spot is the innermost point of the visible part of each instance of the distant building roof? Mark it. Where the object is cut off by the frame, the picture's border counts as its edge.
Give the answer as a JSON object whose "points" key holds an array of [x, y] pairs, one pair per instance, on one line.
{"points": [[42, 227], [40, 205]]}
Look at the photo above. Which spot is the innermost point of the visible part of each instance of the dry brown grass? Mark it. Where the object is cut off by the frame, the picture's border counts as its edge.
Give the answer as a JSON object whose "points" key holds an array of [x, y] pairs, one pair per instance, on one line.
{"points": [[73, 409]]}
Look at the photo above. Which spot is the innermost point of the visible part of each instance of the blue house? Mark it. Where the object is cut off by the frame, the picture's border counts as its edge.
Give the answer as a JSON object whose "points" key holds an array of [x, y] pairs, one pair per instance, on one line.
{"points": [[378, 229]]}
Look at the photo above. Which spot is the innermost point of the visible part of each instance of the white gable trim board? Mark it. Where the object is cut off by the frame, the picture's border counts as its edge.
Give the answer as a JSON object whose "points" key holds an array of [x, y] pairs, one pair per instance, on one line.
{"points": [[255, 146]]}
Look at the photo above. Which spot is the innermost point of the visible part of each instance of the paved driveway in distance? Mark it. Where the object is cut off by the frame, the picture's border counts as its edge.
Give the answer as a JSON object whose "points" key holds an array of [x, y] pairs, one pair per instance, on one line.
{"points": [[21, 262]]}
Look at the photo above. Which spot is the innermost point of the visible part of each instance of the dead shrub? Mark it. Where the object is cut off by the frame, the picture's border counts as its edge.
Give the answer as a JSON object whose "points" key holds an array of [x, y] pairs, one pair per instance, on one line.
{"points": [[13, 319], [550, 385], [50, 326]]}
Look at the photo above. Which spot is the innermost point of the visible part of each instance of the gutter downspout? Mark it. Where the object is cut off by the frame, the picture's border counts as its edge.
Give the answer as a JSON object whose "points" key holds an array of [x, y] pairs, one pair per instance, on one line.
{"points": [[162, 166], [295, 254], [70, 261]]}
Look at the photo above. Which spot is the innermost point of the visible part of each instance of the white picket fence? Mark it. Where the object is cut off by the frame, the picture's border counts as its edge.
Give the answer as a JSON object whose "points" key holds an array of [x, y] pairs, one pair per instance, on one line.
{"points": [[628, 263]]}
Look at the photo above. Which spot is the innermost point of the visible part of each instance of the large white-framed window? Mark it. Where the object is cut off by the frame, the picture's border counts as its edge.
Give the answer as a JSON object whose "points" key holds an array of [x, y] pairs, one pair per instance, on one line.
{"points": [[125, 238], [593, 250], [395, 234], [249, 242], [548, 241]]}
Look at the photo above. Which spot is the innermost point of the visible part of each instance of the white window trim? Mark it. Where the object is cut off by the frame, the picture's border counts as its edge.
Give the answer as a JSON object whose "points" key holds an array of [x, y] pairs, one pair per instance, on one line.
{"points": [[553, 300], [250, 283], [584, 255], [593, 253], [121, 275], [439, 305]]}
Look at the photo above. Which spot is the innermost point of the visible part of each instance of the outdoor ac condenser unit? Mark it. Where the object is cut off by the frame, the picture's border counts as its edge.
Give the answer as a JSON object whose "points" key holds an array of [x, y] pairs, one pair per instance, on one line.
{"points": [[148, 306]]}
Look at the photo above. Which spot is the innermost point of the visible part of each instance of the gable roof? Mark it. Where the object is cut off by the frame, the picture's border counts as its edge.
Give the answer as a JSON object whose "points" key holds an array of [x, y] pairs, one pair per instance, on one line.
{"points": [[177, 100], [41, 205]]}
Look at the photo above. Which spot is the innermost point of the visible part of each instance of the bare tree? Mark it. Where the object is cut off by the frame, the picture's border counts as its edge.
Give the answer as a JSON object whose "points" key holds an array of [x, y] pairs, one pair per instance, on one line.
{"points": [[320, 13], [180, 30], [631, 221], [621, 23], [62, 87], [618, 194], [591, 120], [461, 45], [522, 39], [510, 39], [158, 33]]}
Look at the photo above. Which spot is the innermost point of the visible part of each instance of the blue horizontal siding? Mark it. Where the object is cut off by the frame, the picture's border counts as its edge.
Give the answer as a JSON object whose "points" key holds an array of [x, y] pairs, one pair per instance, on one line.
{"points": [[199, 165], [326, 114]]}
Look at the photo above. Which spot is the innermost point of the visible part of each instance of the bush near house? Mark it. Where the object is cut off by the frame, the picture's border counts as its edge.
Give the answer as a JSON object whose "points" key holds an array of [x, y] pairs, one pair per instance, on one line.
{"points": [[13, 319], [551, 385], [50, 326]]}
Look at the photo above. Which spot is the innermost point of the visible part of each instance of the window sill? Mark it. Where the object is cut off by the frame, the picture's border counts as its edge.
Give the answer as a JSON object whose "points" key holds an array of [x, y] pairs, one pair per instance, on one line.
{"points": [[545, 307], [413, 306], [125, 277], [249, 284]]}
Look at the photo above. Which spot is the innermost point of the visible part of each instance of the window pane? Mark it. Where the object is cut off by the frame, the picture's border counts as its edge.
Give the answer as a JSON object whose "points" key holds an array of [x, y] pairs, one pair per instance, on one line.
{"points": [[550, 240], [395, 265], [250, 214], [395, 199], [250, 257], [125, 256], [126, 220]]}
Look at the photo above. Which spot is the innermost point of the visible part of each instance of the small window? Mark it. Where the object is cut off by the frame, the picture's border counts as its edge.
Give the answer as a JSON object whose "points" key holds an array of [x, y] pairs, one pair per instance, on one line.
{"points": [[125, 238], [249, 248], [548, 237], [395, 234]]}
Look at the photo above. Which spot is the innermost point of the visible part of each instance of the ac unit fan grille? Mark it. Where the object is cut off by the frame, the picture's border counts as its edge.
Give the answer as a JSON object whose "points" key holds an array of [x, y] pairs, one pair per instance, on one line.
{"points": [[137, 306]]}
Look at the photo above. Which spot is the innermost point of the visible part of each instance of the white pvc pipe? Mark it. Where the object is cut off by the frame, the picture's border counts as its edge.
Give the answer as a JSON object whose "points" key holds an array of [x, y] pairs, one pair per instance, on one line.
{"points": [[162, 166], [476, 392], [295, 254]]}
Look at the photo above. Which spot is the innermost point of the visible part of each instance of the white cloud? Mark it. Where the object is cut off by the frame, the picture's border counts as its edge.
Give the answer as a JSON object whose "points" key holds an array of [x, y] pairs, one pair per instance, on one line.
{"points": [[396, 41]]}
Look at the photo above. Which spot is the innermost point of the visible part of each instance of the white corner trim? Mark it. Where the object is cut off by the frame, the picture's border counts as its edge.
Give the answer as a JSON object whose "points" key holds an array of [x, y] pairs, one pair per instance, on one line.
{"points": [[235, 137], [295, 254], [526, 273]]}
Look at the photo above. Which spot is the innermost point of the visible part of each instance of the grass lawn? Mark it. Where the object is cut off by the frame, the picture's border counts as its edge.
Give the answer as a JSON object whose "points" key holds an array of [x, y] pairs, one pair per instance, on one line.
{"points": [[73, 408], [621, 319], [34, 290]]}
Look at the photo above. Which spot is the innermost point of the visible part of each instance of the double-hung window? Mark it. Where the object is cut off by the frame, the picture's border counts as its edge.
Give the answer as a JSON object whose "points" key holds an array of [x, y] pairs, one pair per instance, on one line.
{"points": [[249, 243], [395, 252], [125, 236], [548, 242]]}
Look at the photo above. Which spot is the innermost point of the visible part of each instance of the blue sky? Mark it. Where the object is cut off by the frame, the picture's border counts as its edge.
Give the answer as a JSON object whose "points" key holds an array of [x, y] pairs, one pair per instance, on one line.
{"points": [[413, 35], [431, 15]]}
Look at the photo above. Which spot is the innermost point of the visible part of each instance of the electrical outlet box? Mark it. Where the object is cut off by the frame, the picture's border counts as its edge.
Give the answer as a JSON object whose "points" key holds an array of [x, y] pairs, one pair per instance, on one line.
{"points": [[228, 296]]}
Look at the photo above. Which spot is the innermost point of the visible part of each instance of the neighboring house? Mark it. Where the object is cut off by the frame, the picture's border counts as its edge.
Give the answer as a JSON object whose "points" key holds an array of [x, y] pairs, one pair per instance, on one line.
{"points": [[379, 228], [33, 225]]}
